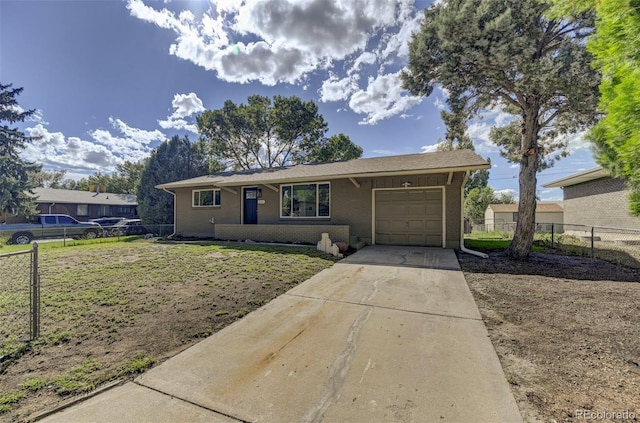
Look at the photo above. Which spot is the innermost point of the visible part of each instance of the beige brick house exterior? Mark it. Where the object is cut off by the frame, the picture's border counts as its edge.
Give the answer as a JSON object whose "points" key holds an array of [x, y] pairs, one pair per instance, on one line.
{"points": [[411, 199], [504, 216], [592, 198]]}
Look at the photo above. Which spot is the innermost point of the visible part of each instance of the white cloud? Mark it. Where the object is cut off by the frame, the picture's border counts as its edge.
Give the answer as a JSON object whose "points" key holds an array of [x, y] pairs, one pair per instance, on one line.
{"points": [[334, 88], [551, 195], [577, 142], [54, 149], [366, 58], [285, 41], [507, 191], [384, 97], [429, 148], [184, 105], [101, 154]]}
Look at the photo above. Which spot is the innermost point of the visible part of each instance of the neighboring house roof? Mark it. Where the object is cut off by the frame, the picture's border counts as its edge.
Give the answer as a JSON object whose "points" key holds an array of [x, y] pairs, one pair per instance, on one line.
{"points": [[513, 208], [578, 178], [51, 195], [442, 161]]}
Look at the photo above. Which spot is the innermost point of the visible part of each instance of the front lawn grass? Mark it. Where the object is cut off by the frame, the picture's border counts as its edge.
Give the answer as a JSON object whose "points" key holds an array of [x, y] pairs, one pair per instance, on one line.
{"points": [[113, 309]]}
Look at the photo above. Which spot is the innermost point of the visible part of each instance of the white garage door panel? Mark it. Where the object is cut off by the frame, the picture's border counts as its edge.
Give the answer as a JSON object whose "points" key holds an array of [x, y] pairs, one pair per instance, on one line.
{"points": [[409, 217]]}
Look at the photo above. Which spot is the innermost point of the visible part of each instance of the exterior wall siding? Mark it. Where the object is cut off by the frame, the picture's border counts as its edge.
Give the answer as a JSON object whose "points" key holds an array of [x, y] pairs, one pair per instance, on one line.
{"points": [[601, 202], [351, 207]]}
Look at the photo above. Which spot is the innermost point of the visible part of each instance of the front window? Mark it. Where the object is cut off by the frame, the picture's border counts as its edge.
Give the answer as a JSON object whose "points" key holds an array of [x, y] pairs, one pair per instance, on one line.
{"points": [[83, 210], [206, 198], [305, 200]]}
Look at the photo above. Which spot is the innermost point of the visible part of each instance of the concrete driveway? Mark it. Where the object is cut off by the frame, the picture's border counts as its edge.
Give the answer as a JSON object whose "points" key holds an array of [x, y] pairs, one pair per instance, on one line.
{"points": [[389, 334]]}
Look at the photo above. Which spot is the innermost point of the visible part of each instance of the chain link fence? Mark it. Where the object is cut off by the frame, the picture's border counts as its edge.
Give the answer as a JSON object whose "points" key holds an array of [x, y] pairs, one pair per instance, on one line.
{"points": [[154, 230], [616, 245], [19, 300]]}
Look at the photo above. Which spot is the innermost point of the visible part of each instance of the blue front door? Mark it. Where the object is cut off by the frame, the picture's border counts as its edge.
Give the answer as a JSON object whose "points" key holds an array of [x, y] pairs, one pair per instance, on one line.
{"points": [[250, 206]]}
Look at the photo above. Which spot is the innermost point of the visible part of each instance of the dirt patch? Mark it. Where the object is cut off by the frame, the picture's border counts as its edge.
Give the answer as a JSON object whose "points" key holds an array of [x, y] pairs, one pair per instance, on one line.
{"points": [[112, 311], [567, 332]]}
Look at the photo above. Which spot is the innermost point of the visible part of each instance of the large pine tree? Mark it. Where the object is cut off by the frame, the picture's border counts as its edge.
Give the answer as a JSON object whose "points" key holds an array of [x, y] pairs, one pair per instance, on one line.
{"points": [[173, 160], [509, 54], [16, 188]]}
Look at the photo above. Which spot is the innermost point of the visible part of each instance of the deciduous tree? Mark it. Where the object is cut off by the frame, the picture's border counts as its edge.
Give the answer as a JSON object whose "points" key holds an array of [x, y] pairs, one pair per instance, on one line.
{"points": [[335, 148], [616, 47], [477, 202], [266, 134], [510, 55]]}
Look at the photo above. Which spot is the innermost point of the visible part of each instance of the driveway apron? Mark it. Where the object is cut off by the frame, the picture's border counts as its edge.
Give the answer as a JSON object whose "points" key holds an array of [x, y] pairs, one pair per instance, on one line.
{"points": [[389, 334]]}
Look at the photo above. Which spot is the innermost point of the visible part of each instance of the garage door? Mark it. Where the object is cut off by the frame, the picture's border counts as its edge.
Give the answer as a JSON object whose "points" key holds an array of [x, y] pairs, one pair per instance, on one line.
{"points": [[409, 217]]}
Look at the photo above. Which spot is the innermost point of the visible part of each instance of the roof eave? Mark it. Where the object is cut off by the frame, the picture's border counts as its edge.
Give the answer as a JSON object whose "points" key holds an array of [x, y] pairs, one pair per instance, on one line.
{"points": [[174, 185], [577, 178]]}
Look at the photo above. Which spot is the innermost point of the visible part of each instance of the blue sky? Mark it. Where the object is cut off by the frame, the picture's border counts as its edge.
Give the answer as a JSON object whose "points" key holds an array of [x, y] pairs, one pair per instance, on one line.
{"points": [[112, 79]]}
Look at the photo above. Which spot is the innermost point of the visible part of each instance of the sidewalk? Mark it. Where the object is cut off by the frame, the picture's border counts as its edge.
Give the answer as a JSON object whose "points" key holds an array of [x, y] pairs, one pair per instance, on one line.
{"points": [[389, 334]]}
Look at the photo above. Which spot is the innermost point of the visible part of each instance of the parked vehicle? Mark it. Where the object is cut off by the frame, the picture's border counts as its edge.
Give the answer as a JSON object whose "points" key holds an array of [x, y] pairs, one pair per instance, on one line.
{"points": [[107, 223], [128, 227], [50, 226]]}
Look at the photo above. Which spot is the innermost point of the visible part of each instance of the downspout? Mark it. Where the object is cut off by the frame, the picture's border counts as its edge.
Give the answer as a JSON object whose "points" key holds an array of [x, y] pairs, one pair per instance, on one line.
{"points": [[175, 222], [50, 207], [462, 247]]}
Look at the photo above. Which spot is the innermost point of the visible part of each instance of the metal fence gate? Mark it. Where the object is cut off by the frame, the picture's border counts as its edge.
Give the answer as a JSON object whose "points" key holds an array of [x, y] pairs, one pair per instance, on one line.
{"points": [[19, 299]]}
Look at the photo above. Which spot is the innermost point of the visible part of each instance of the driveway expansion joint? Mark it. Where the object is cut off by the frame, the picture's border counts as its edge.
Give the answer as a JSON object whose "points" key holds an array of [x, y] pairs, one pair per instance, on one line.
{"points": [[427, 313], [192, 403]]}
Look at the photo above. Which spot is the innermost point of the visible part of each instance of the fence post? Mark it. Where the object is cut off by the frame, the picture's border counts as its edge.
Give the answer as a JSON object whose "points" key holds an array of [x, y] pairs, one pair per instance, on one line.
{"points": [[35, 294], [592, 242], [552, 233]]}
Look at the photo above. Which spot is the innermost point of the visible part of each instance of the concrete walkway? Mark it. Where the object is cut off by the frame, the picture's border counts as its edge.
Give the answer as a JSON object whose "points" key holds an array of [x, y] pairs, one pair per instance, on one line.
{"points": [[389, 334]]}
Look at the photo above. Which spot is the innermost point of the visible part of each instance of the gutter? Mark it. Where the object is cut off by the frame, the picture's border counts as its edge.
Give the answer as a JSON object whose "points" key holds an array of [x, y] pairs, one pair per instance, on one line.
{"points": [[175, 222], [462, 247]]}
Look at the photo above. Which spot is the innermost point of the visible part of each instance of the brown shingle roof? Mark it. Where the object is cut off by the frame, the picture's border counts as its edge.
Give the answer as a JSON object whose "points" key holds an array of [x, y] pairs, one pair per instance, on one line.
{"points": [[52, 195], [513, 208], [442, 161]]}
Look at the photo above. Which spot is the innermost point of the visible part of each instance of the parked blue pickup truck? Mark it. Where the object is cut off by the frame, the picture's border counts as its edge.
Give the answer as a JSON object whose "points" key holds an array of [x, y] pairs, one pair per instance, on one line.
{"points": [[49, 226]]}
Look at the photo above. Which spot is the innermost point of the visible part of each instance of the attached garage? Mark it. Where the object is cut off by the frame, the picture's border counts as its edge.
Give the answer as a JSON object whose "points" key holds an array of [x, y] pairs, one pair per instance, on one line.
{"points": [[409, 217]]}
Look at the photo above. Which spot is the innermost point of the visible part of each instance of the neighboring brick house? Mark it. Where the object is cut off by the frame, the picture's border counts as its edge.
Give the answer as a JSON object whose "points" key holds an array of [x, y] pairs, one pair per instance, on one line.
{"points": [[593, 198], [504, 216], [82, 205], [414, 199]]}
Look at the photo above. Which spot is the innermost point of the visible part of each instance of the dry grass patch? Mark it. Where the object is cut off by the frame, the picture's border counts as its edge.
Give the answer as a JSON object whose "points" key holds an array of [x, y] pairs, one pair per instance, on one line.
{"points": [[112, 310]]}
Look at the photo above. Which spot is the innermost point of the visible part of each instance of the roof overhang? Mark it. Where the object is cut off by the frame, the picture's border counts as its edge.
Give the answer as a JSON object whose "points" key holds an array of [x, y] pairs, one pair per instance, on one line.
{"points": [[578, 178], [220, 181]]}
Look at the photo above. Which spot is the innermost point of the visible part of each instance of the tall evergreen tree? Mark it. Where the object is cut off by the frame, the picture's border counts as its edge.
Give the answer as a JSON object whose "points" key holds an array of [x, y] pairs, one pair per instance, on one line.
{"points": [[456, 137], [509, 54], [16, 188], [173, 160]]}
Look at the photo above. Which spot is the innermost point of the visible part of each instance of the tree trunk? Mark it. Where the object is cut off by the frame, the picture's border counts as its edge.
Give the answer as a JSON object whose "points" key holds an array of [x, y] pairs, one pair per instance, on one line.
{"points": [[520, 246]]}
